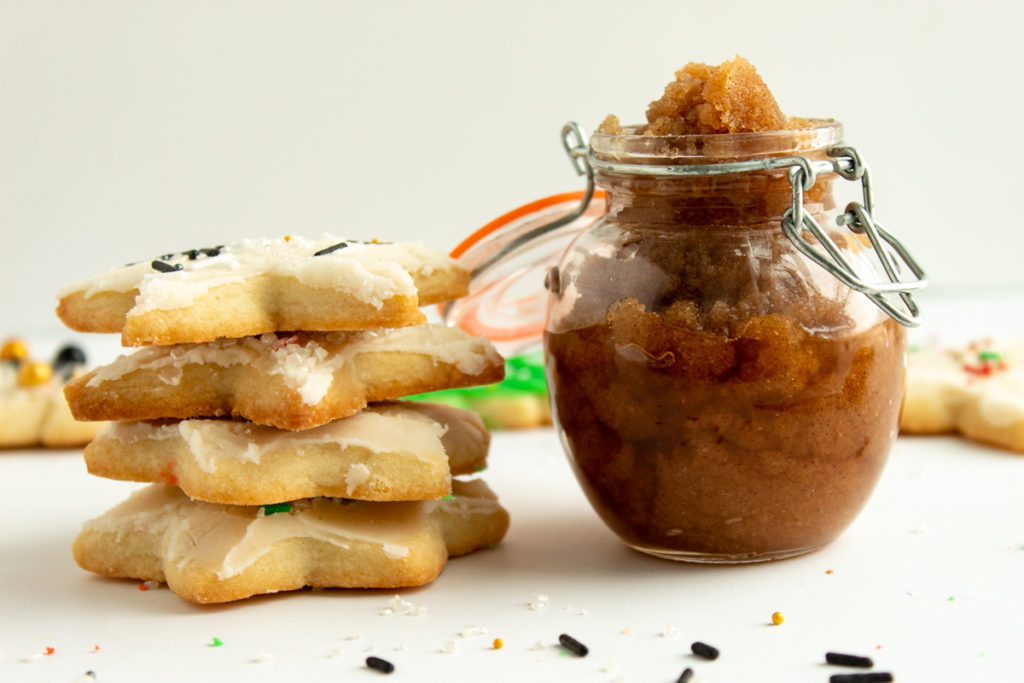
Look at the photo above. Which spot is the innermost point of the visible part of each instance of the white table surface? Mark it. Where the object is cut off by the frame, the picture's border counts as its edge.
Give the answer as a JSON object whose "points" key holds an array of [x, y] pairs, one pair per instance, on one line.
{"points": [[929, 581]]}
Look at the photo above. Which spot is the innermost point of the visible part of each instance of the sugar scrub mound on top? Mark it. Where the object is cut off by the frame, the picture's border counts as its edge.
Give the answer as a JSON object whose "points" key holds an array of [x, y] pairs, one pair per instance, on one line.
{"points": [[729, 98]]}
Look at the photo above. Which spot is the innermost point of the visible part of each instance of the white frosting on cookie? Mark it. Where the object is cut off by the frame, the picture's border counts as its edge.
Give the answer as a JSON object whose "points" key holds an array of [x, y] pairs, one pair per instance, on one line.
{"points": [[370, 272], [307, 362], [228, 539], [387, 428]]}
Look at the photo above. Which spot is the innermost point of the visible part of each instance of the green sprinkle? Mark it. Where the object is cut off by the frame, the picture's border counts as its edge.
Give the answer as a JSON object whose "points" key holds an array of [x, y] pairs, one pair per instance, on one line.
{"points": [[480, 468], [277, 507], [217, 642], [989, 355], [449, 497], [951, 598]]}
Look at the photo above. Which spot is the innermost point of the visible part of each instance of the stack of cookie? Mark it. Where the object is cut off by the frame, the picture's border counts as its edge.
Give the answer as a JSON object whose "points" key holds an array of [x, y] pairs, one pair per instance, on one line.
{"points": [[263, 408]]}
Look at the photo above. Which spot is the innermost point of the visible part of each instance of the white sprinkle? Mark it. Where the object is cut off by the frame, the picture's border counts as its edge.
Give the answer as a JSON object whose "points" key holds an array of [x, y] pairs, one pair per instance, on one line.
{"points": [[610, 666], [472, 632], [336, 652], [451, 647], [263, 657], [418, 610], [539, 645], [401, 647], [151, 585], [670, 631], [386, 612], [539, 602], [32, 657], [355, 635]]}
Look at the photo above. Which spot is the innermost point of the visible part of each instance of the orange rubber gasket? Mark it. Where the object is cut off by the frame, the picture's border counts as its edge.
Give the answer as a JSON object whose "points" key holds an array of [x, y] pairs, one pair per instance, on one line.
{"points": [[515, 214]]}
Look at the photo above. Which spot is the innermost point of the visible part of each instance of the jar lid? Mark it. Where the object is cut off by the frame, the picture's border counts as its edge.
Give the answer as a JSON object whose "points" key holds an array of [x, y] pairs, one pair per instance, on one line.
{"points": [[509, 258]]}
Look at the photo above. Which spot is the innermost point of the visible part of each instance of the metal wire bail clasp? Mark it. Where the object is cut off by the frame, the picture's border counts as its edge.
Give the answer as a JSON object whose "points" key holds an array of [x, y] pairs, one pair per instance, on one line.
{"points": [[896, 260]]}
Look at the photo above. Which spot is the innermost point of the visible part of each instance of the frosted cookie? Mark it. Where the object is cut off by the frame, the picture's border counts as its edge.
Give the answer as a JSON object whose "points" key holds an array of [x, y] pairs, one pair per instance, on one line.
{"points": [[259, 286], [977, 391], [33, 411], [318, 542], [294, 381], [386, 452]]}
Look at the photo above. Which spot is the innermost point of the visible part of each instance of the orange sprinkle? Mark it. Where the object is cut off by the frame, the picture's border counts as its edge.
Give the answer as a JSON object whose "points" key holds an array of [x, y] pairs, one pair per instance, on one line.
{"points": [[777, 618], [143, 587], [498, 643], [375, 240], [287, 238], [830, 572], [50, 650], [95, 648]]}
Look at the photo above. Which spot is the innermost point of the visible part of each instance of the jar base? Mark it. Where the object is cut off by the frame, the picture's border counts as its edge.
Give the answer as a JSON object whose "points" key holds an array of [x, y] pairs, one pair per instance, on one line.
{"points": [[721, 558]]}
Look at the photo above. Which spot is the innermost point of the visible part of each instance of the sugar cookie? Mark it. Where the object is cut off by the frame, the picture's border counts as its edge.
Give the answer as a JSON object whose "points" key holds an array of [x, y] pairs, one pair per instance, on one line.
{"points": [[33, 411], [294, 381], [260, 286], [320, 542], [977, 391], [386, 452]]}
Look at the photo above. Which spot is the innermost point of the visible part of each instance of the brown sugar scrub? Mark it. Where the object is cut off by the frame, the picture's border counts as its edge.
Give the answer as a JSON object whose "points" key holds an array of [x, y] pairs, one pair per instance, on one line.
{"points": [[729, 98], [721, 397]]}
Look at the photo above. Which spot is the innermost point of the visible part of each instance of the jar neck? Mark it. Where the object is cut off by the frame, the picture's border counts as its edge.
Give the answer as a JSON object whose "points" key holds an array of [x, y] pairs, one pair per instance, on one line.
{"points": [[754, 198], [745, 199]]}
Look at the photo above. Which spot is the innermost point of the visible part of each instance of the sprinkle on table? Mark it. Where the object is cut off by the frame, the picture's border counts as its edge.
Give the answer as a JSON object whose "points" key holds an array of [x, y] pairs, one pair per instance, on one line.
{"points": [[704, 650], [216, 642], [572, 645], [381, 665], [840, 659], [50, 650], [498, 644], [871, 677], [777, 618], [685, 676]]}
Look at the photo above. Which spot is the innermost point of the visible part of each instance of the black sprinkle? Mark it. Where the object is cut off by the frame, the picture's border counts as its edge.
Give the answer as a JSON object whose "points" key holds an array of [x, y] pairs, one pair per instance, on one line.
{"points": [[213, 251], [332, 248], [166, 257], [839, 659], [685, 676], [873, 677], [572, 645], [704, 650], [192, 254], [165, 267], [90, 673], [381, 665]]}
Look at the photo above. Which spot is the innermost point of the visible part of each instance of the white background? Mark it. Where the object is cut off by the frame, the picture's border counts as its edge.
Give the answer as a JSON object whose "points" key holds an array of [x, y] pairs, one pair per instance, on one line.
{"points": [[131, 128]]}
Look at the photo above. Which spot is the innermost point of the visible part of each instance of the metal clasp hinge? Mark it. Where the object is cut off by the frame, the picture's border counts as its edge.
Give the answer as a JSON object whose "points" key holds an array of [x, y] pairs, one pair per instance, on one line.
{"points": [[895, 258]]}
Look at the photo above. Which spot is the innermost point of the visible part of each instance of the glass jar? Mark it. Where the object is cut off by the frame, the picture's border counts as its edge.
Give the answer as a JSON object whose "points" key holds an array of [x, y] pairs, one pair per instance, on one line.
{"points": [[721, 397]]}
